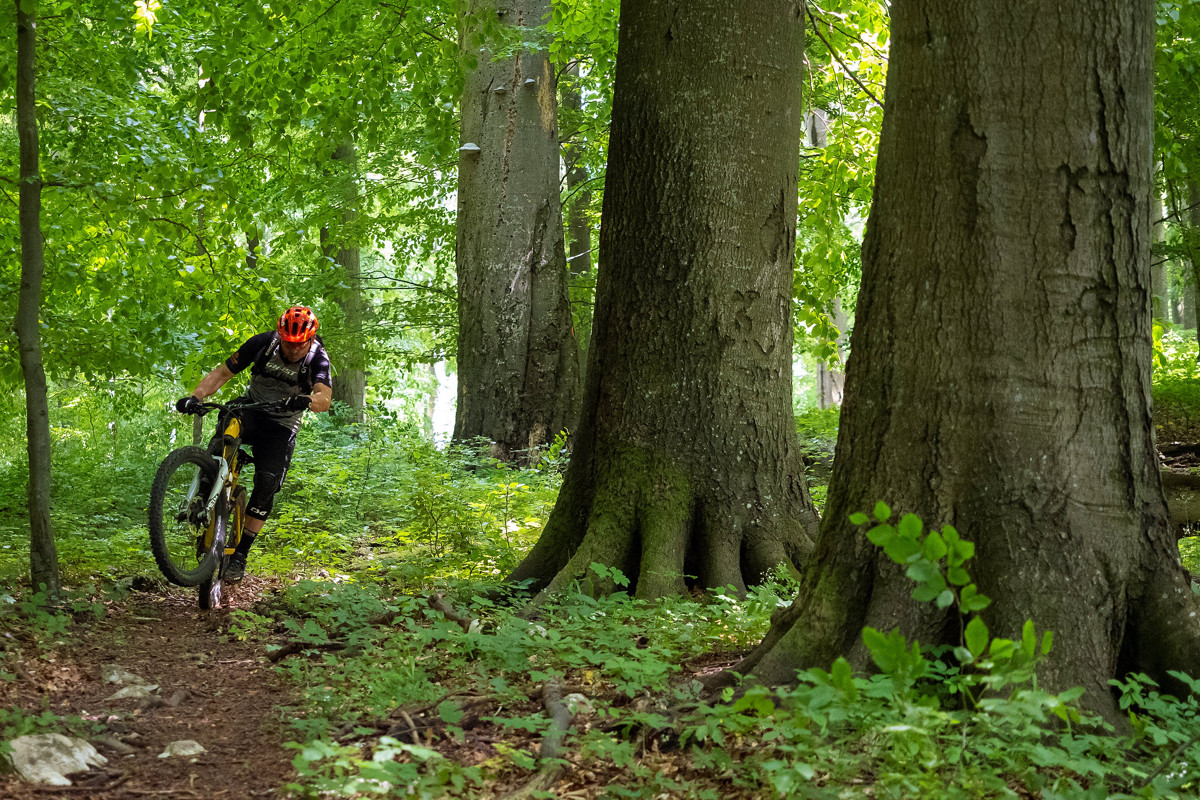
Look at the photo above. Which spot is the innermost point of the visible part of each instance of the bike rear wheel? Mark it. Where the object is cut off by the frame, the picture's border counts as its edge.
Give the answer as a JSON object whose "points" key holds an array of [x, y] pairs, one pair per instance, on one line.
{"points": [[177, 518]]}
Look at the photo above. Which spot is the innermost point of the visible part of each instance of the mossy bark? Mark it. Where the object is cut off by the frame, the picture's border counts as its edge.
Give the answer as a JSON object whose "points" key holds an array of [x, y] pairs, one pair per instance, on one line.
{"points": [[686, 462], [518, 357], [999, 372]]}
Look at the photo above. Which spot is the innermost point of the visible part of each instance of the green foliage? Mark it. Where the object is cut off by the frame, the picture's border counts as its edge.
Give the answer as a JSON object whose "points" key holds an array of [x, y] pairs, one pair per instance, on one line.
{"points": [[1176, 387]]}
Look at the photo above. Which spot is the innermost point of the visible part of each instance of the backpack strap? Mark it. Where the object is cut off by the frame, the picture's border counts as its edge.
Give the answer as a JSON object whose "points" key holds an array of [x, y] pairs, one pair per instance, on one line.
{"points": [[306, 384], [264, 355]]}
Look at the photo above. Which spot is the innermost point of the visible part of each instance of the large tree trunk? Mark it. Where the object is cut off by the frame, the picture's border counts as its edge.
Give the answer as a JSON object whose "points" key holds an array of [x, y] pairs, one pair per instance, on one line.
{"points": [[687, 461], [518, 359], [43, 556], [999, 372], [350, 386]]}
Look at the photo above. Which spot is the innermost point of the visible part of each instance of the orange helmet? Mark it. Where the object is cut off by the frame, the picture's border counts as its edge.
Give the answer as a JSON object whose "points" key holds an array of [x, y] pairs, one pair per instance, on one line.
{"points": [[297, 324]]}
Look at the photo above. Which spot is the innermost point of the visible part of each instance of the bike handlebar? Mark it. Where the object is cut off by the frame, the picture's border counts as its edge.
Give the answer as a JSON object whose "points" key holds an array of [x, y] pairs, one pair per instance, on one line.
{"points": [[207, 407]]}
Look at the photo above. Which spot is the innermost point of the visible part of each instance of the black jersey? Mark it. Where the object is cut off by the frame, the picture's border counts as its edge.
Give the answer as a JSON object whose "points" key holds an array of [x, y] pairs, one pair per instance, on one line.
{"points": [[274, 378]]}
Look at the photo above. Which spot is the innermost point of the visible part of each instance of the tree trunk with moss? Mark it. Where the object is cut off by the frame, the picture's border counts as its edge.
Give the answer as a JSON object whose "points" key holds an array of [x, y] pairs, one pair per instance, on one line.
{"points": [[518, 359], [999, 371], [43, 555], [687, 461]]}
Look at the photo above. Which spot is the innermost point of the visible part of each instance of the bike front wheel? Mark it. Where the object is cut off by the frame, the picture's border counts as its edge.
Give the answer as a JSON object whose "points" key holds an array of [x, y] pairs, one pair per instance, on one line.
{"points": [[177, 516], [228, 530]]}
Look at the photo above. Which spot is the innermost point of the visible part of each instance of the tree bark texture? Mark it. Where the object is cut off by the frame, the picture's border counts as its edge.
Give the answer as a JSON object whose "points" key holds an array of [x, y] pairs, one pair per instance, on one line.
{"points": [[43, 556], [518, 358], [350, 385], [999, 372], [686, 461]]}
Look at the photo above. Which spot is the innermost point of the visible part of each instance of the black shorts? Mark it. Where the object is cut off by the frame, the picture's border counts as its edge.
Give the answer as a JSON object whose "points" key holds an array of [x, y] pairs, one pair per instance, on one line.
{"points": [[271, 445]]}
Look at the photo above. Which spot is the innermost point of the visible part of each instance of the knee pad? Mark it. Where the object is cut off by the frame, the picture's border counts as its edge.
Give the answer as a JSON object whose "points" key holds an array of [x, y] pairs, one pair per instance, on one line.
{"points": [[262, 499]]}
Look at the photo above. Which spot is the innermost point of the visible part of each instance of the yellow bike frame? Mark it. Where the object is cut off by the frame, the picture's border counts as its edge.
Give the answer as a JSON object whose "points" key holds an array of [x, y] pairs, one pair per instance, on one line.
{"points": [[232, 432]]}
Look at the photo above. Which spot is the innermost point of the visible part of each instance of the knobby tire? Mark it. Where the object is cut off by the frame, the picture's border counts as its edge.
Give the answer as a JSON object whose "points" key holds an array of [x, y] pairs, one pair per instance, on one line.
{"points": [[175, 569], [228, 521]]}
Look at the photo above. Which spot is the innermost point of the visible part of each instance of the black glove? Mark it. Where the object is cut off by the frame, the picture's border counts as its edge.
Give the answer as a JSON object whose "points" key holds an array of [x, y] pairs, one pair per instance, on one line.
{"points": [[298, 403], [189, 405]]}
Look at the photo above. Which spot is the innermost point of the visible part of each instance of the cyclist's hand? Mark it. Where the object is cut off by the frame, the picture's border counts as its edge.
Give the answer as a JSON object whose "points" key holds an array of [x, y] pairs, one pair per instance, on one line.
{"points": [[189, 405], [298, 403]]}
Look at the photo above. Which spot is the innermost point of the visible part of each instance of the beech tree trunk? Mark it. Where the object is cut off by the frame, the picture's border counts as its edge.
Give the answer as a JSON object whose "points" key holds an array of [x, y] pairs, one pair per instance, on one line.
{"points": [[999, 372], [686, 460], [43, 555], [518, 359], [350, 385]]}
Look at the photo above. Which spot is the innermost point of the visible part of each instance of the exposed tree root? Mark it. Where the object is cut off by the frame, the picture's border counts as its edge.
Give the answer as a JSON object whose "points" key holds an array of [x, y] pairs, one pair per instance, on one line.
{"points": [[561, 719], [649, 517]]}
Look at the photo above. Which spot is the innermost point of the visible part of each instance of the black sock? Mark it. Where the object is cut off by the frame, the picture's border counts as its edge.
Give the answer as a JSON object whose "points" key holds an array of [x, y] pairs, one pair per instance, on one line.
{"points": [[246, 542]]}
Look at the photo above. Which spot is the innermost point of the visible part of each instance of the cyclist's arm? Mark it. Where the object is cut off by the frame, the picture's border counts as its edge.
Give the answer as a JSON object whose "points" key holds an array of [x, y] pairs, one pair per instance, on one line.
{"points": [[212, 382], [322, 397]]}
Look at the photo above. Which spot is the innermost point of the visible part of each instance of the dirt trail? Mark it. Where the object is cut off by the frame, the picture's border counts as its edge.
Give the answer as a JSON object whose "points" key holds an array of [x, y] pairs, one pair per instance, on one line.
{"points": [[230, 707]]}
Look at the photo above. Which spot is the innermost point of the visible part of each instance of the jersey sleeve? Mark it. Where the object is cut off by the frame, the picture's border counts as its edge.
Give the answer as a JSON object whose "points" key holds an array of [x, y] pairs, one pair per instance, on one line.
{"points": [[321, 369], [245, 355]]}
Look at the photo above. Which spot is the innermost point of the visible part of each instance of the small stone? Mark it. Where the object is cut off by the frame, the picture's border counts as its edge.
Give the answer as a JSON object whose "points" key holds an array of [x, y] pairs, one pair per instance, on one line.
{"points": [[135, 692], [48, 758], [115, 673], [183, 747], [576, 703]]}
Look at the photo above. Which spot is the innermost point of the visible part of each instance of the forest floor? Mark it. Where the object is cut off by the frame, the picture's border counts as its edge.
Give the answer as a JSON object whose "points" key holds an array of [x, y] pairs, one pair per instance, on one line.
{"points": [[216, 691], [227, 695]]}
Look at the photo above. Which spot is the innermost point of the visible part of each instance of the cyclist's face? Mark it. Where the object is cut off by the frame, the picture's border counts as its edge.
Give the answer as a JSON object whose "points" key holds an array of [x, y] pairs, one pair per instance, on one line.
{"points": [[294, 351]]}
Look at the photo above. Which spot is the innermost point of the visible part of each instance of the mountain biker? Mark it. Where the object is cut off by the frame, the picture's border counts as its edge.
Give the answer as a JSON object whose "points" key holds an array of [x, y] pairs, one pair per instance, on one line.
{"points": [[289, 365]]}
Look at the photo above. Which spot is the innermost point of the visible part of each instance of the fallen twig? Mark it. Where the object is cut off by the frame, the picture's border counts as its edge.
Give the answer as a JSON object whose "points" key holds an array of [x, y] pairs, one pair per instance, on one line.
{"points": [[291, 648]]}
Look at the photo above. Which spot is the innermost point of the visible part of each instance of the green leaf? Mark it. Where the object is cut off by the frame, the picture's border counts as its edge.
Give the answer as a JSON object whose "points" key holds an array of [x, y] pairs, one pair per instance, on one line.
{"points": [[882, 512], [935, 548], [900, 550], [1029, 639], [925, 593], [957, 576], [450, 712], [976, 636], [926, 572], [945, 599], [970, 600], [910, 526], [1047, 642], [859, 518], [880, 535], [842, 677]]}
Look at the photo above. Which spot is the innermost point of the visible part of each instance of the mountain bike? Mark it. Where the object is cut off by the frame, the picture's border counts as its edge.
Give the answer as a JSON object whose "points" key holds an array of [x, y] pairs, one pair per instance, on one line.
{"points": [[198, 508]]}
